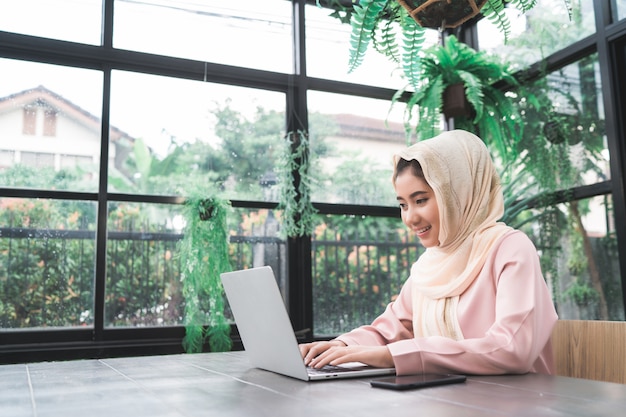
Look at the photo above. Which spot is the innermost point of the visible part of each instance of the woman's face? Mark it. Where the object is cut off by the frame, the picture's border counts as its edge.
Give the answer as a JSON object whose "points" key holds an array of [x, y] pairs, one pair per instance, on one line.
{"points": [[418, 207]]}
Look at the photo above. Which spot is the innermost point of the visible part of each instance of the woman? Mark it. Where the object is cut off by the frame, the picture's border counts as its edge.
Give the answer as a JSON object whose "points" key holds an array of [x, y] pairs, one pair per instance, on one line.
{"points": [[476, 301]]}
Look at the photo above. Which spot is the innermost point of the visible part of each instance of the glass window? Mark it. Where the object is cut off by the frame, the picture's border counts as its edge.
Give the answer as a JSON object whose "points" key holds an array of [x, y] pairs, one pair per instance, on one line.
{"points": [[538, 33], [47, 111], [359, 266], [66, 20], [144, 286], [143, 270], [249, 33], [618, 9], [47, 261], [567, 131], [180, 137], [353, 140], [580, 260], [328, 53]]}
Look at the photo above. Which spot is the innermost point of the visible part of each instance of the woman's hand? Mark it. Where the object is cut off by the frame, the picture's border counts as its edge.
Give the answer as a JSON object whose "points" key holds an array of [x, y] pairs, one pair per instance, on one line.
{"points": [[319, 354], [312, 350]]}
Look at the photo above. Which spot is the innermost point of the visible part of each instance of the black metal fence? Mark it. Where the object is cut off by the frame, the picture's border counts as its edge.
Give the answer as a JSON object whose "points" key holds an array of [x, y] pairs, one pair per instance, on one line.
{"points": [[47, 276]]}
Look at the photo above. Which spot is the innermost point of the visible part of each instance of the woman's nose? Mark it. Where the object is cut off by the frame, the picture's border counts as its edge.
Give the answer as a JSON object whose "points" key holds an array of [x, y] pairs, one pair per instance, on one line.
{"points": [[412, 216]]}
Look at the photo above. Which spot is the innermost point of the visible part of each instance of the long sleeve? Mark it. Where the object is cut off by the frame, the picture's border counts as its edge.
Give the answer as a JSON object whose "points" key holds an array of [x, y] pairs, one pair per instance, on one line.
{"points": [[506, 316]]}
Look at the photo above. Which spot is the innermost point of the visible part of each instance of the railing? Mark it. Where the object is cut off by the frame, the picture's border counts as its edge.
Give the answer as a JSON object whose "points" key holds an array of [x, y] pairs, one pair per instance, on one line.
{"points": [[46, 276]]}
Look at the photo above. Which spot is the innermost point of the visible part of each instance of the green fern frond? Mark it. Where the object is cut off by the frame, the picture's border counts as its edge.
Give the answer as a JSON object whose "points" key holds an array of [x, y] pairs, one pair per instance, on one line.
{"points": [[413, 36], [429, 97], [492, 133], [386, 43], [364, 22], [523, 5], [474, 92], [494, 11]]}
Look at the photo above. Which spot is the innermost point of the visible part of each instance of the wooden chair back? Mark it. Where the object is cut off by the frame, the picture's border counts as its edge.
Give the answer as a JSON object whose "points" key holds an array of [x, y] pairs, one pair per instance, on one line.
{"points": [[590, 349]]}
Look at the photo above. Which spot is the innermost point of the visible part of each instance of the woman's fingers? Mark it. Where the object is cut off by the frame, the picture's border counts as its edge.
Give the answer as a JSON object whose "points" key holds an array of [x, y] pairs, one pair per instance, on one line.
{"points": [[378, 356]]}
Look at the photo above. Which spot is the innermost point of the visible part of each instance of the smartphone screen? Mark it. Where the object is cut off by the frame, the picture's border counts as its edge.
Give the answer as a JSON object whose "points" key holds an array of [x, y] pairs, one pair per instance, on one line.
{"points": [[405, 382]]}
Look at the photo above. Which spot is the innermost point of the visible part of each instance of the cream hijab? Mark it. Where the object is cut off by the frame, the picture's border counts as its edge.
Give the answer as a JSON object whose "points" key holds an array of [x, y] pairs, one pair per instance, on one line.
{"points": [[458, 167]]}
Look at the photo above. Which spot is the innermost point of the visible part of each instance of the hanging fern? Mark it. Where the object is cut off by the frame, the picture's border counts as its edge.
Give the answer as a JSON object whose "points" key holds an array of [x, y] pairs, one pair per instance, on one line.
{"points": [[204, 255], [495, 117], [413, 36], [494, 11], [365, 19], [295, 194], [385, 42]]}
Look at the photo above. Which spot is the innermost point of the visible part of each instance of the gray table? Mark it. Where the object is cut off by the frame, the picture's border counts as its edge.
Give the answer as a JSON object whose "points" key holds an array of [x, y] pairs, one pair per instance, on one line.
{"points": [[224, 384]]}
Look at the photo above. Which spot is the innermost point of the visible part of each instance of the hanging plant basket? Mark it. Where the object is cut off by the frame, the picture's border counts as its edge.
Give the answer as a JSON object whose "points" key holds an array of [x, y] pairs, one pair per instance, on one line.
{"points": [[455, 103], [440, 14], [204, 255]]}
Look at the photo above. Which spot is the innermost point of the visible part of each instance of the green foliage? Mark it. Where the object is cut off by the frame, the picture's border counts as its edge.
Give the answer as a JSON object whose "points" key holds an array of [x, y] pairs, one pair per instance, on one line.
{"points": [[204, 256], [45, 281], [367, 14], [494, 117], [360, 265], [359, 180], [494, 11], [295, 193], [392, 32], [581, 293]]}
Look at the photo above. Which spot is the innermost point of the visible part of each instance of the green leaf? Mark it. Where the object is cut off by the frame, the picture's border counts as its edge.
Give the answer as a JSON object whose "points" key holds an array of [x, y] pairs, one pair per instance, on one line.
{"points": [[413, 36], [494, 11], [364, 21]]}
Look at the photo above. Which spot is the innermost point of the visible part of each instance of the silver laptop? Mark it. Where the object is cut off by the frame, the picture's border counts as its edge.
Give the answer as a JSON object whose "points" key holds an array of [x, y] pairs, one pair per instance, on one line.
{"points": [[266, 331]]}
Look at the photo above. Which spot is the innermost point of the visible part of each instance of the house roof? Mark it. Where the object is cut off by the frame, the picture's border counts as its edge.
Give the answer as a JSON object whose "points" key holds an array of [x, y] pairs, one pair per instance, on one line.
{"points": [[41, 94], [352, 125]]}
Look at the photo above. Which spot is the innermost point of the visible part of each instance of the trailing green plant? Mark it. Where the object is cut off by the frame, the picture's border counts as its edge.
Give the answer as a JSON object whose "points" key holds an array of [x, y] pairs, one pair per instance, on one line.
{"points": [[204, 255], [298, 217]]}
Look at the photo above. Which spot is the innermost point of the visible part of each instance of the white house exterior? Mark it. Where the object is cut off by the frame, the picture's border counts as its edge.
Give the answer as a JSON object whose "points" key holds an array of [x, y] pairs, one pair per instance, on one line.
{"points": [[39, 128]]}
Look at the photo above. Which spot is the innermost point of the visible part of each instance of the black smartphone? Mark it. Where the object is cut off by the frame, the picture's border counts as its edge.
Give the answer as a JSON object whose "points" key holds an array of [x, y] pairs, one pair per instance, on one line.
{"points": [[405, 382]]}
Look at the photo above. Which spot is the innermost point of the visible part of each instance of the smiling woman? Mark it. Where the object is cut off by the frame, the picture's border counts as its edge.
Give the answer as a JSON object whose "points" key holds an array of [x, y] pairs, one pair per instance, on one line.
{"points": [[464, 308]]}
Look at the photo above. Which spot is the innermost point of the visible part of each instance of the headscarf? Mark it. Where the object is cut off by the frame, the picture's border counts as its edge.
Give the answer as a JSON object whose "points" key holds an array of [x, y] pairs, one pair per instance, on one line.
{"points": [[459, 169]]}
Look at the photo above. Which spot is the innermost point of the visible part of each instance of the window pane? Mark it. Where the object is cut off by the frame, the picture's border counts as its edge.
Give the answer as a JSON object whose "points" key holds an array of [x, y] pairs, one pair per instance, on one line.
{"points": [[619, 11], [144, 286], [328, 53], [359, 266], [580, 260], [538, 33], [249, 33], [47, 258], [67, 20], [353, 140], [569, 134], [47, 112], [143, 271], [192, 137]]}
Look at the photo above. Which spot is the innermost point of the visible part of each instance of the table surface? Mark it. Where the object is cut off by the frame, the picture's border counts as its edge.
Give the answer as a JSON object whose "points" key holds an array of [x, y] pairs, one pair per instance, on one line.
{"points": [[224, 384]]}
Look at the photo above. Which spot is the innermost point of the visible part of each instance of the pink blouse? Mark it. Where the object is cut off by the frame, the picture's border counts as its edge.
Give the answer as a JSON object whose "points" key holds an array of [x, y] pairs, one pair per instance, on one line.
{"points": [[506, 316]]}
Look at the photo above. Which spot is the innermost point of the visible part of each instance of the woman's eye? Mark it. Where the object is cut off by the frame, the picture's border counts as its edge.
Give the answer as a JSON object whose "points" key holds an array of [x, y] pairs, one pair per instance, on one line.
{"points": [[403, 206], [421, 201]]}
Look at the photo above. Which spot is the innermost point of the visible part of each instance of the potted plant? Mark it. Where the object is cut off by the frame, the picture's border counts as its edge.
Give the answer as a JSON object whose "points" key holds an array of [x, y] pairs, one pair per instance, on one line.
{"points": [[459, 82], [204, 255], [396, 27]]}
